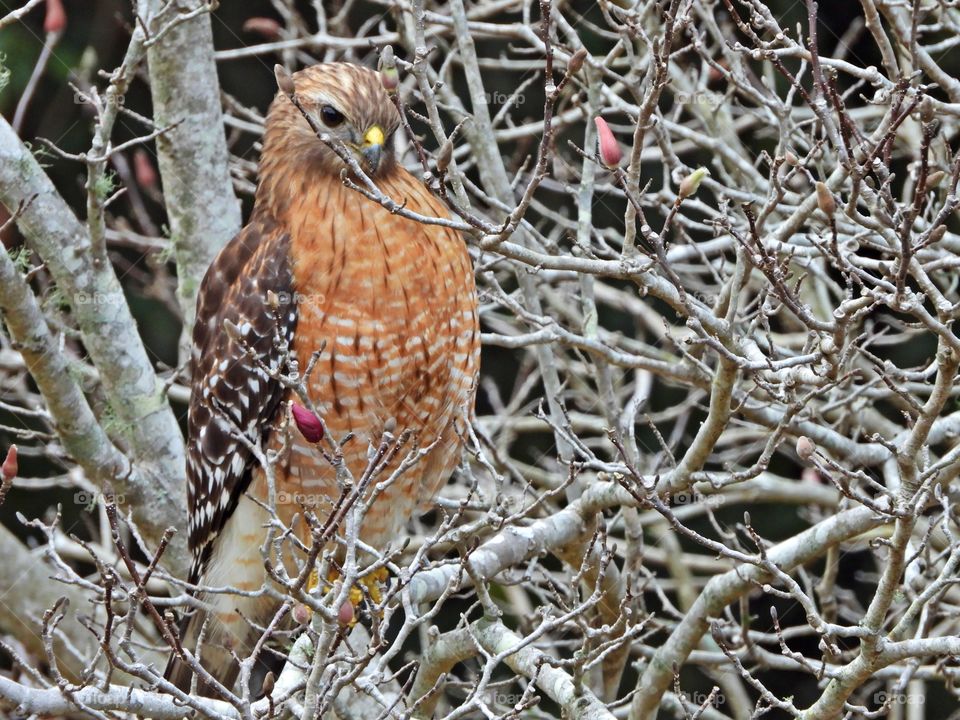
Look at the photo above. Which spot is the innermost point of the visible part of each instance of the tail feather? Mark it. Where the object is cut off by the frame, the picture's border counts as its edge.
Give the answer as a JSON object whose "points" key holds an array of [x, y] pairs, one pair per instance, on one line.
{"points": [[214, 653], [234, 561]]}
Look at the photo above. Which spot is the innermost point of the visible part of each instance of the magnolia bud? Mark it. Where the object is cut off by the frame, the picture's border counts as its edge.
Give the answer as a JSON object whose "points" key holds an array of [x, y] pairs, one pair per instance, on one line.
{"points": [[9, 469], [609, 148], [345, 616], [825, 201], [265, 27], [269, 682], [284, 81], [936, 235], [810, 475], [576, 61], [389, 76], [445, 155], [55, 20], [934, 178], [692, 181], [301, 614], [805, 448], [309, 425], [143, 169]]}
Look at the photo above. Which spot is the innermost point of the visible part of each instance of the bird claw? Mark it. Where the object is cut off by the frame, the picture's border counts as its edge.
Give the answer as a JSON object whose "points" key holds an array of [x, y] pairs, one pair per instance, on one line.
{"points": [[370, 585]]}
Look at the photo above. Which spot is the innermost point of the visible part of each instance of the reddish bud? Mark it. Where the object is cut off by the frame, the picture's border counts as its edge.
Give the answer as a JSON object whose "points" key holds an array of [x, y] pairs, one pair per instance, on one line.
{"points": [[715, 74], [576, 61], [389, 75], [345, 616], [810, 475], [9, 469], [805, 448], [445, 155], [55, 20], [390, 79], [267, 28], [143, 169], [301, 614], [935, 178], [610, 152], [310, 426], [825, 201], [269, 682]]}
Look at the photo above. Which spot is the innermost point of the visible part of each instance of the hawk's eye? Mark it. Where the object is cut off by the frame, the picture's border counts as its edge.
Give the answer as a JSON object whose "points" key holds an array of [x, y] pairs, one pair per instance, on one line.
{"points": [[331, 116]]}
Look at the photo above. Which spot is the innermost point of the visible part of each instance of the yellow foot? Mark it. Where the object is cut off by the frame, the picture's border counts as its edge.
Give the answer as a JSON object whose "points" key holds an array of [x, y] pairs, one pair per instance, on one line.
{"points": [[373, 583]]}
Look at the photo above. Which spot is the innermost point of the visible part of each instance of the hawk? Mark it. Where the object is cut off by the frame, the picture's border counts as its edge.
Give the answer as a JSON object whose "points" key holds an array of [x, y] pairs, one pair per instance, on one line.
{"points": [[384, 306]]}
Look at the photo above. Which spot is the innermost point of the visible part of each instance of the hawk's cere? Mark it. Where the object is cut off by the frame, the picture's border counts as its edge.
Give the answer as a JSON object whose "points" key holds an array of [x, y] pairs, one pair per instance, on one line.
{"points": [[391, 305]]}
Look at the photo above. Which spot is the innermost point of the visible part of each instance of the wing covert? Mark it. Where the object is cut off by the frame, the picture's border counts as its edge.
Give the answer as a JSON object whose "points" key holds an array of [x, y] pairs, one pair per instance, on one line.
{"points": [[231, 391]]}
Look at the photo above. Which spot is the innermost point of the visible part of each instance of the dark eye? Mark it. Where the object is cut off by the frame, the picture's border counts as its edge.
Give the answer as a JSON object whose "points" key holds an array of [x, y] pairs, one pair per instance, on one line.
{"points": [[331, 116]]}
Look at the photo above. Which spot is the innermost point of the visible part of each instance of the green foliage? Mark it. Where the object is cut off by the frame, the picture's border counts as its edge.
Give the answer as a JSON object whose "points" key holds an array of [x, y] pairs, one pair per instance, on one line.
{"points": [[40, 154], [104, 185], [21, 258], [55, 298], [168, 252]]}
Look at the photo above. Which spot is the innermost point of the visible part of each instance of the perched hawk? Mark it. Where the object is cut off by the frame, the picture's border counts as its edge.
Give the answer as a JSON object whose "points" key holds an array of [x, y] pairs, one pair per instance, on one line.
{"points": [[389, 303]]}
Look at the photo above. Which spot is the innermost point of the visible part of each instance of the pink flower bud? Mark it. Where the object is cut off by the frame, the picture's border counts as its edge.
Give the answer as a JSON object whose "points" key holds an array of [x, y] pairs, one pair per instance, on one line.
{"points": [[610, 152], [390, 79], [143, 169], [389, 75], [825, 201], [345, 616], [9, 469], [810, 475], [805, 448], [267, 28], [301, 614], [310, 426], [55, 20], [576, 61]]}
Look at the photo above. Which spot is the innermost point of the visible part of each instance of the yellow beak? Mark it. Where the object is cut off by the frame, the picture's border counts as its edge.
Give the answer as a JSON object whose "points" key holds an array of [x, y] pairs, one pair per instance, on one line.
{"points": [[374, 136], [373, 141]]}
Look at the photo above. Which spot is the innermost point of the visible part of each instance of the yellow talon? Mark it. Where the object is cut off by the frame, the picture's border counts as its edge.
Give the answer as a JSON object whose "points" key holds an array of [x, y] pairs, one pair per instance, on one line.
{"points": [[373, 583]]}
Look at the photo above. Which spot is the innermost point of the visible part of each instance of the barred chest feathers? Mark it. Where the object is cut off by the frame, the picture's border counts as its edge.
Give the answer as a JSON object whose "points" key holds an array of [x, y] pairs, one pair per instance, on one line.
{"points": [[393, 314]]}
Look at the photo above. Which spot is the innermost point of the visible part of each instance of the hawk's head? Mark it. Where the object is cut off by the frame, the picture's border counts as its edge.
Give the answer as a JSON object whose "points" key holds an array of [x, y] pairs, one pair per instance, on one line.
{"points": [[346, 101]]}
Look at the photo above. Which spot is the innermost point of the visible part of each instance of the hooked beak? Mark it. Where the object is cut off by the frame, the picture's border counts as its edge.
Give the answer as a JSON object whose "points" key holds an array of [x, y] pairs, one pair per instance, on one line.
{"points": [[372, 147]]}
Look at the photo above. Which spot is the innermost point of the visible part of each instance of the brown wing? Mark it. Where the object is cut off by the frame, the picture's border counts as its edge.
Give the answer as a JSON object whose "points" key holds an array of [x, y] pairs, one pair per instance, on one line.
{"points": [[231, 390]]}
